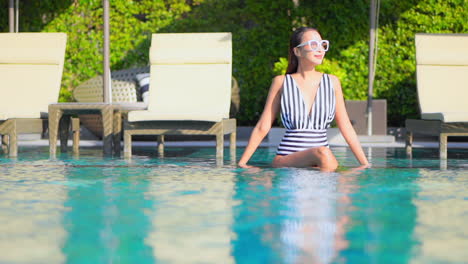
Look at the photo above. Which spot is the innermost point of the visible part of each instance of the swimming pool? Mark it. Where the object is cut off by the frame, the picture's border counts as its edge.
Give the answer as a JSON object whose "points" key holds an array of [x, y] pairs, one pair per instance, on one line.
{"points": [[184, 208]]}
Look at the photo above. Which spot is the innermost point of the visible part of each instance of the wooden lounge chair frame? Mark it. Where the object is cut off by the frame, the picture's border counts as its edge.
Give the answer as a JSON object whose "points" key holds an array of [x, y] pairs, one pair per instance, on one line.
{"points": [[167, 51], [31, 66], [442, 83]]}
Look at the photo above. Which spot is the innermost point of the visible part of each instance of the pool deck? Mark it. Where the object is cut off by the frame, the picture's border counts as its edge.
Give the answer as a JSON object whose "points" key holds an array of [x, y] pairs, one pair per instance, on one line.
{"points": [[272, 140]]}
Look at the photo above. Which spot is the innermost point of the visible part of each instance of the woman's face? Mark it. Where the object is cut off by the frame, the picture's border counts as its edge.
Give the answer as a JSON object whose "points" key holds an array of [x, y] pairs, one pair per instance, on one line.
{"points": [[312, 48]]}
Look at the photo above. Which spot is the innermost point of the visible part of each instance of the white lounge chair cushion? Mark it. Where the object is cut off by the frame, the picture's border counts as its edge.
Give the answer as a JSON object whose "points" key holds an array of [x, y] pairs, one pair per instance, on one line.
{"points": [[442, 88], [442, 76], [447, 117], [180, 56], [144, 115], [31, 66], [29, 89], [429, 49], [32, 48], [187, 48], [190, 78], [184, 90]]}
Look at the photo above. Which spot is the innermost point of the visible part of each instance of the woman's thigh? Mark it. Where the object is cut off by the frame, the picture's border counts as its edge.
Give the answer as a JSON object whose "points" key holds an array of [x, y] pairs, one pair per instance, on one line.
{"points": [[321, 157]]}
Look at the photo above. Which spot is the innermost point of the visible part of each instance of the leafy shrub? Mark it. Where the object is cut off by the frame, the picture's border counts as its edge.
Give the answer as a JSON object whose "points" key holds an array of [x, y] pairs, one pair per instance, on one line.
{"points": [[131, 25], [395, 80], [261, 30]]}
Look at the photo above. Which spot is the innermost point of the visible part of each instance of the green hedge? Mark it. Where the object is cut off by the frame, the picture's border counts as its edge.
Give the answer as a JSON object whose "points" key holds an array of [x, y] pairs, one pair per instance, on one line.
{"points": [[131, 23], [261, 30], [345, 24]]}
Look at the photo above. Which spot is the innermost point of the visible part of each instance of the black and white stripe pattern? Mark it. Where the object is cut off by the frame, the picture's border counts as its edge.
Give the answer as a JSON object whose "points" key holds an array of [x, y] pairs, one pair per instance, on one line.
{"points": [[306, 130]]}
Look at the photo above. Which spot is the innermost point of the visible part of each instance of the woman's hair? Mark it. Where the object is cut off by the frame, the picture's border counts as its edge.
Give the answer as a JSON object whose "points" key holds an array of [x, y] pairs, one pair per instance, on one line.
{"points": [[295, 40]]}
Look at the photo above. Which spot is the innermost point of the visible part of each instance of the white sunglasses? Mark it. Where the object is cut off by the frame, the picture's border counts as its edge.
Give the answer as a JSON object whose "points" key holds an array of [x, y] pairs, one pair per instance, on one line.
{"points": [[315, 45]]}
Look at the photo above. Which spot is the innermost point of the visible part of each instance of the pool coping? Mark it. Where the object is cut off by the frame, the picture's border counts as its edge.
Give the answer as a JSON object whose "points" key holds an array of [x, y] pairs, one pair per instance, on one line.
{"points": [[243, 143], [272, 140]]}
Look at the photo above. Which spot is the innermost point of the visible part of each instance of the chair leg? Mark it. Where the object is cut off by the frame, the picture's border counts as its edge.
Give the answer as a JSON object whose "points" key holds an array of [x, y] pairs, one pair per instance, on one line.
{"points": [[117, 133], [232, 141], [64, 128], [409, 143], [443, 164], [54, 117], [13, 144], [232, 145], [161, 145], [220, 145], [5, 141], [107, 122], [443, 146], [76, 135], [127, 144]]}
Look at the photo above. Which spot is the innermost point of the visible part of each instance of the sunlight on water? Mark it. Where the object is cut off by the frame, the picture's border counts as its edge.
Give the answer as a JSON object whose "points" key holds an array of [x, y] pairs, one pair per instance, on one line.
{"points": [[186, 208]]}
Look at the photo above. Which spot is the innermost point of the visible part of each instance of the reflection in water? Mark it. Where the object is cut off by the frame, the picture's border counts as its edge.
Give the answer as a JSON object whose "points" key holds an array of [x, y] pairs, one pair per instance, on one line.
{"points": [[192, 218], [31, 214], [184, 210], [289, 216], [442, 214], [382, 217], [106, 220], [256, 218], [314, 231]]}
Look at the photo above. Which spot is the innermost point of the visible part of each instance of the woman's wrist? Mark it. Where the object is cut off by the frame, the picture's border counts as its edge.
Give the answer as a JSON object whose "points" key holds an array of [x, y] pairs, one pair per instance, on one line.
{"points": [[365, 164]]}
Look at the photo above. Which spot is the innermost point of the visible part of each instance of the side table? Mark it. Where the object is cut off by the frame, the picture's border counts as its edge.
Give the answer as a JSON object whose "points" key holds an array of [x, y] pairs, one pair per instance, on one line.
{"points": [[60, 113]]}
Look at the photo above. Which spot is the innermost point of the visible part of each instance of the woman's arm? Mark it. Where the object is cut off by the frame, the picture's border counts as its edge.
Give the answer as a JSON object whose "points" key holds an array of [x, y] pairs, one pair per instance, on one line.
{"points": [[263, 126], [342, 120]]}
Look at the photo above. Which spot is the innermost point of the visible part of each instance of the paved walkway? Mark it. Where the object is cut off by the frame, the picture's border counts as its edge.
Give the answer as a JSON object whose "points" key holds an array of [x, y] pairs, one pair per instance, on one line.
{"points": [[243, 143], [272, 140]]}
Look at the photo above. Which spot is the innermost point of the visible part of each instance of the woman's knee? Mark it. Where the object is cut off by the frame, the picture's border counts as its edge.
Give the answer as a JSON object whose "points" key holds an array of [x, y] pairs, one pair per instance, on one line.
{"points": [[327, 159]]}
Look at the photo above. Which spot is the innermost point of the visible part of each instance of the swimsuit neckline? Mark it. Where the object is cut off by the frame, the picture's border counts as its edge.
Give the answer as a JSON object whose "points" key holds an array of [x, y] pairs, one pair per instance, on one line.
{"points": [[302, 95]]}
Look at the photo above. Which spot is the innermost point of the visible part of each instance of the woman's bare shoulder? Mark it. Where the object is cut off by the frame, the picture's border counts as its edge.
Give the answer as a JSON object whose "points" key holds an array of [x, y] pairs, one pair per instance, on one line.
{"points": [[277, 82], [279, 78], [334, 78], [335, 81]]}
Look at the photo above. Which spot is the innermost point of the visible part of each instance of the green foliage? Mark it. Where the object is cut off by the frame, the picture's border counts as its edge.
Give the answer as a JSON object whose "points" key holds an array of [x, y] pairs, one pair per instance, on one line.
{"points": [[261, 31], [280, 67], [345, 24], [328, 66], [396, 78], [131, 25]]}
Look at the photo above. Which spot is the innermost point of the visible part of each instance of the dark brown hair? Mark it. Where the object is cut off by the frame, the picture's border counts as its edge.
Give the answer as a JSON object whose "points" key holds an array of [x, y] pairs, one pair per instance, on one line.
{"points": [[295, 40]]}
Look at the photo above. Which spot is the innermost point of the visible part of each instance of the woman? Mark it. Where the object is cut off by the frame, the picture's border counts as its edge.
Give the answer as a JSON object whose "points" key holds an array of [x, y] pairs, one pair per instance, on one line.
{"points": [[309, 101]]}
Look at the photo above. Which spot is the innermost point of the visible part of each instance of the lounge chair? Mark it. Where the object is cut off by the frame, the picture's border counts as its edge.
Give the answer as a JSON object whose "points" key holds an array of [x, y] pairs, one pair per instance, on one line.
{"points": [[442, 83], [190, 90], [31, 66]]}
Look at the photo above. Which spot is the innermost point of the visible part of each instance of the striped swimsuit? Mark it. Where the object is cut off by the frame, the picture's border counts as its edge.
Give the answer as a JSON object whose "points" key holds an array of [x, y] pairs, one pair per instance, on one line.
{"points": [[303, 130]]}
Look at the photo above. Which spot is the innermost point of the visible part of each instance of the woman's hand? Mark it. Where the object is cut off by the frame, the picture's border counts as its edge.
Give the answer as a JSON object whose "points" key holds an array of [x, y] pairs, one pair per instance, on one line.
{"points": [[249, 169], [365, 166], [356, 170], [245, 166]]}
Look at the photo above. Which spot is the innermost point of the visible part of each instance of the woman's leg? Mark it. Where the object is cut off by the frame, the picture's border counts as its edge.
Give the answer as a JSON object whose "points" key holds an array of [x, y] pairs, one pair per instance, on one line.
{"points": [[321, 157]]}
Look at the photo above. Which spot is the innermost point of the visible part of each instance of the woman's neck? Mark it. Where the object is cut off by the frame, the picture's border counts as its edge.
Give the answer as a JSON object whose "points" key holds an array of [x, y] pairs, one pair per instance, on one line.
{"points": [[306, 71]]}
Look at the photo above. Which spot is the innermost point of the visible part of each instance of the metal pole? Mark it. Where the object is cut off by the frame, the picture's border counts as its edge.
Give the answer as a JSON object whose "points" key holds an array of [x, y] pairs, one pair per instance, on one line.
{"points": [[106, 76], [11, 16], [17, 17], [372, 18]]}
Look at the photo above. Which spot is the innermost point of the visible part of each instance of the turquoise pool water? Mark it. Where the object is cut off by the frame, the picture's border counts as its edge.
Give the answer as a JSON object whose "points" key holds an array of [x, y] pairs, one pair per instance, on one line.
{"points": [[184, 208]]}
